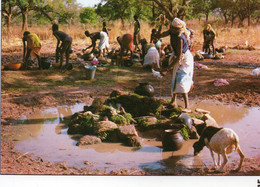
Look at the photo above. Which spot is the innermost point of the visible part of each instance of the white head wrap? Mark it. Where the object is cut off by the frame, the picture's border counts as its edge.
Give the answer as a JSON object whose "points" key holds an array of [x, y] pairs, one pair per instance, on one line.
{"points": [[181, 25]]}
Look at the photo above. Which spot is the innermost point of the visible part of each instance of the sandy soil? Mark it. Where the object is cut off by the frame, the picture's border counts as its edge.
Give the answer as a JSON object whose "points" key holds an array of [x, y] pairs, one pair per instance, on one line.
{"points": [[243, 89]]}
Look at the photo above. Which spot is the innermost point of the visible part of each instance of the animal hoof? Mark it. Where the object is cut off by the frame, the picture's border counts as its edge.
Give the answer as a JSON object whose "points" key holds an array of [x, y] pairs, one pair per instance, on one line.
{"points": [[235, 170], [219, 171]]}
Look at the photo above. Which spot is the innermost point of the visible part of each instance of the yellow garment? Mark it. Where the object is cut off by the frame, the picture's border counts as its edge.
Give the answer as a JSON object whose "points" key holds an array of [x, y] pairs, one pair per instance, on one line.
{"points": [[208, 28], [34, 43]]}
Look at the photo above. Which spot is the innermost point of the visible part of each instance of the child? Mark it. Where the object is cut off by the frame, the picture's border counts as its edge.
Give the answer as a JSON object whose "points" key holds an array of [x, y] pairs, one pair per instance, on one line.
{"points": [[65, 47]]}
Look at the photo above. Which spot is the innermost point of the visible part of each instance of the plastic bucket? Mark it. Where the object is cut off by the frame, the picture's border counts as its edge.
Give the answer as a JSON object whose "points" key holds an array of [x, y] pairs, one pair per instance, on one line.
{"points": [[90, 72]]}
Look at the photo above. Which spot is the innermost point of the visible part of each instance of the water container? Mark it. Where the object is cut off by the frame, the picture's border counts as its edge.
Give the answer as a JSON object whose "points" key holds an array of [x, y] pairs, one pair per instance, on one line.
{"points": [[145, 89], [90, 72], [172, 140]]}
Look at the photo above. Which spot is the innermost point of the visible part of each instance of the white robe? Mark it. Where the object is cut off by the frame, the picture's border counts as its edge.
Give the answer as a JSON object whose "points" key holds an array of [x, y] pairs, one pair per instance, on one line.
{"points": [[104, 43]]}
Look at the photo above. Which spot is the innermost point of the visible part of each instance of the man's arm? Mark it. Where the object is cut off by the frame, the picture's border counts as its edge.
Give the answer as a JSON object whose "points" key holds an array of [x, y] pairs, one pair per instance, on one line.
{"points": [[178, 53], [24, 48], [58, 40]]}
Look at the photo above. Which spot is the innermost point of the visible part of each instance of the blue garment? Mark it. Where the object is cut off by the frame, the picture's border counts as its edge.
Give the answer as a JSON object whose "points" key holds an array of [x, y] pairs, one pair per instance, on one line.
{"points": [[174, 38]]}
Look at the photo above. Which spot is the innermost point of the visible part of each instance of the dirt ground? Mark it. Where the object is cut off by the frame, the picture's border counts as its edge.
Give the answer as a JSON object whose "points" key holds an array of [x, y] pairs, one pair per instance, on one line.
{"points": [[236, 68]]}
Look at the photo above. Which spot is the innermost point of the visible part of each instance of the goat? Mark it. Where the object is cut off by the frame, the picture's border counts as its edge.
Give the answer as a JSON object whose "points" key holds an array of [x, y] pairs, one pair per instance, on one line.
{"points": [[222, 141]]}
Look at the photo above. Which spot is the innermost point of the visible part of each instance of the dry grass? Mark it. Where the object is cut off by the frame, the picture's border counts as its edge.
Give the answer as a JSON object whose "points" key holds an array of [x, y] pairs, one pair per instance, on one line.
{"points": [[225, 36]]}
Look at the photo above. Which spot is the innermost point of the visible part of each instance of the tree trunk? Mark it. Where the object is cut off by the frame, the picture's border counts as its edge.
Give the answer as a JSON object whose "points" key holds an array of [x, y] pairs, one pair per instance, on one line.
{"points": [[168, 13], [153, 11], [25, 14], [207, 17], [123, 20], [8, 24]]}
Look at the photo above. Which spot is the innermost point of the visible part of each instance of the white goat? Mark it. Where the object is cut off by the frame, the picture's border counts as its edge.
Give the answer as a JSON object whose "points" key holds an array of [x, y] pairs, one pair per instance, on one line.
{"points": [[222, 141]]}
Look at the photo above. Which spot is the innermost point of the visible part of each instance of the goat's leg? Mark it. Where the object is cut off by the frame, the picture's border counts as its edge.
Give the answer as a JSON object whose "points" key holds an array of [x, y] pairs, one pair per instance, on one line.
{"points": [[219, 159], [224, 155], [242, 158], [213, 157]]}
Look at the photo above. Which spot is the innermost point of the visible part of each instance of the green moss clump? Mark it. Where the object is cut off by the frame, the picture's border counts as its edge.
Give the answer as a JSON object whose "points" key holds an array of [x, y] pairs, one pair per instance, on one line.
{"points": [[85, 124], [142, 123], [128, 117], [105, 111], [195, 116], [185, 132], [102, 135], [119, 119]]}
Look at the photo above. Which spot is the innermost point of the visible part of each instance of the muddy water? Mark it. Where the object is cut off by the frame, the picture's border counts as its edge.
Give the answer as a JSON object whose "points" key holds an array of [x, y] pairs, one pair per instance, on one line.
{"points": [[45, 135]]}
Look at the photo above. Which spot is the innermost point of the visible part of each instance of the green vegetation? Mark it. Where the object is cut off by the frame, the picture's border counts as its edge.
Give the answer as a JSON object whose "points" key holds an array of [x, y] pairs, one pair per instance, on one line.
{"points": [[119, 119], [142, 123], [68, 12], [185, 132]]}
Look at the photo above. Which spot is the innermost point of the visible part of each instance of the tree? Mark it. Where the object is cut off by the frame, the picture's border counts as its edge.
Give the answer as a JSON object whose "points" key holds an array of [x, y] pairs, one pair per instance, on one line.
{"points": [[114, 9], [7, 12], [24, 7], [172, 8], [88, 15], [246, 9], [201, 6]]}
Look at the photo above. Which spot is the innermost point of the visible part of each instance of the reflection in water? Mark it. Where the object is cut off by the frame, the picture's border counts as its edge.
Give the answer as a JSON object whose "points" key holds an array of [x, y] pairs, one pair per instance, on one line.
{"points": [[222, 113], [45, 135]]}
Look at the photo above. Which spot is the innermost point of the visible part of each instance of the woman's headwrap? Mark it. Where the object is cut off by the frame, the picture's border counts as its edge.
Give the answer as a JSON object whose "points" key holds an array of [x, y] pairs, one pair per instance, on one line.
{"points": [[181, 25], [208, 28]]}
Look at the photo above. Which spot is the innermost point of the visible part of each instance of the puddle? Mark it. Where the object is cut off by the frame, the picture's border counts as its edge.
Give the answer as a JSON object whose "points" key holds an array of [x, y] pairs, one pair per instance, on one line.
{"points": [[45, 135]]}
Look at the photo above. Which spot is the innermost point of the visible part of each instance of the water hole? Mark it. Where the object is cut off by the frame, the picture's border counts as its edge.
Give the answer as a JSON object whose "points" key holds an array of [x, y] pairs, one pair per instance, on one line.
{"points": [[45, 135]]}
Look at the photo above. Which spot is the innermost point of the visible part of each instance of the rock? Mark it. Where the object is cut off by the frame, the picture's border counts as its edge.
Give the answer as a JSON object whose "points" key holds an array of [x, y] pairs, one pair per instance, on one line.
{"points": [[116, 93], [210, 121], [106, 131], [127, 131], [135, 141], [81, 124], [138, 105], [193, 133], [96, 105], [88, 140], [95, 116], [150, 119], [104, 126], [145, 122], [202, 111], [197, 121], [98, 102]]}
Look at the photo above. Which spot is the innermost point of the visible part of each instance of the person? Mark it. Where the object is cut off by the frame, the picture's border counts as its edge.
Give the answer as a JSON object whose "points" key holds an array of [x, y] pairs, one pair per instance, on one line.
{"points": [[126, 44], [31, 48], [191, 39], [102, 36], [64, 47], [150, 55], [106, 30], [137, 35], [209, 36], [182, 62]]}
